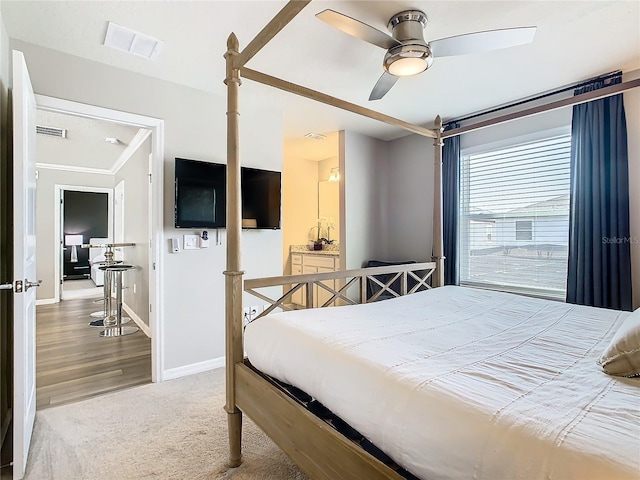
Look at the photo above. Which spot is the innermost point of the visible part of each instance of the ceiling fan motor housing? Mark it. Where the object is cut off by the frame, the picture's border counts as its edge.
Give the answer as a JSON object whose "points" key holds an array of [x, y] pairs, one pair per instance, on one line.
{"points": [[408, 25], [414, 55]]}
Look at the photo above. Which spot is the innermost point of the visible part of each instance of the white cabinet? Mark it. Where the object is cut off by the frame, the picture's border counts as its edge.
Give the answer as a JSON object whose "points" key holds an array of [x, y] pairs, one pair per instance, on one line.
{"points": [[306, 263], [296, 269]]}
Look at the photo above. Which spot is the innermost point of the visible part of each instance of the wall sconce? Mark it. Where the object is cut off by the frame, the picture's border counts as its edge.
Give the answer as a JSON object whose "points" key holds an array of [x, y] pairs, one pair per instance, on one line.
{"points": [[73, 241], [334, 176]]}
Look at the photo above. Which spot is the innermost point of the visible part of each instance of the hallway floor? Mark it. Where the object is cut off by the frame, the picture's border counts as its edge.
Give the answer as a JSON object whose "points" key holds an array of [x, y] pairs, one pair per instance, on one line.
{"points": [[74, 363]]}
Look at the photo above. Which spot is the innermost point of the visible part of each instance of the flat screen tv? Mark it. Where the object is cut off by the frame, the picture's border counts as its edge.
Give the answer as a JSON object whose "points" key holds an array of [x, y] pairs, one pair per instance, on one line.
{"points": [[200, 194], [260, 198]]}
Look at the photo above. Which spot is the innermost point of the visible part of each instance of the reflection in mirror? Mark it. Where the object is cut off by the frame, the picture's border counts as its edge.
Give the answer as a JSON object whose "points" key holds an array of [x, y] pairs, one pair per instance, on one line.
{"points": [[329, 206]]}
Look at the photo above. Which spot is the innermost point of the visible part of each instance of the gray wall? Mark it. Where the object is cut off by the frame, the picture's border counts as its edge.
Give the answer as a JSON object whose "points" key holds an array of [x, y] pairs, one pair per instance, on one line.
{"points": [[632, 110], [410, 198], [195, 127], [364, 228], [46, 206], [136, 230]]}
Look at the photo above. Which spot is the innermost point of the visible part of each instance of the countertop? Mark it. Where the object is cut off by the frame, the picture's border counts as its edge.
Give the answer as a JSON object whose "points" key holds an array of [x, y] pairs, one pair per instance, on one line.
{"points": [[333, 250]]}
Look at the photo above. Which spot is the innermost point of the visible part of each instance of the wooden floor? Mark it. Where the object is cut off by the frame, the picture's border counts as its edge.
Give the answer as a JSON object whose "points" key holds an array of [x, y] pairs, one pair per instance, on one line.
{"points": [[73, 363]]}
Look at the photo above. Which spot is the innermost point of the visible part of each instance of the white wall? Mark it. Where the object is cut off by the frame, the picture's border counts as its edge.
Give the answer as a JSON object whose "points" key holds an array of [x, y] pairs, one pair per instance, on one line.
{"points": [[46, 206], [195, 127], [364, 172]]}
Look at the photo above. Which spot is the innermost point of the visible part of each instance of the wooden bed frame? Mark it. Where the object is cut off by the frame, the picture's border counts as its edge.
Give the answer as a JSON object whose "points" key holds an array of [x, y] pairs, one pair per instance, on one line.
{"points": [[319, 450]]}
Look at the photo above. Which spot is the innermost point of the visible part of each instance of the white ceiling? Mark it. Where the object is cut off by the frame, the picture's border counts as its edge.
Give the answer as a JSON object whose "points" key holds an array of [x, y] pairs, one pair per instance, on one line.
{"points": [[85, 145], [575, 40]]}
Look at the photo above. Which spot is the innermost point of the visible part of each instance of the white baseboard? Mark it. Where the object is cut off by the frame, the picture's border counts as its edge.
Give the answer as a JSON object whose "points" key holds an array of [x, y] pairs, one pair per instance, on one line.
{"points": [[178, 372], [143, 326], [46, 301]]}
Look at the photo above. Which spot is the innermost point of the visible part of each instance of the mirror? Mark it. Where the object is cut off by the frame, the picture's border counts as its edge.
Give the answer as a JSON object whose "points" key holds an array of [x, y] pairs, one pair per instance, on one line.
{"points": [[329, 206]]}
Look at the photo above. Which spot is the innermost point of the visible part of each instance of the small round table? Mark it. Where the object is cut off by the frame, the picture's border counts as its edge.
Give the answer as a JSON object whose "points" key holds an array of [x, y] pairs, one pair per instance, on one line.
{"points": [[114, 323]]}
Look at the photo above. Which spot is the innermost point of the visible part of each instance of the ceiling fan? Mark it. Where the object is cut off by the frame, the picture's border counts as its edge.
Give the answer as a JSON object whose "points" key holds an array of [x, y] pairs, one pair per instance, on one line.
{"points": [[407, 51]]}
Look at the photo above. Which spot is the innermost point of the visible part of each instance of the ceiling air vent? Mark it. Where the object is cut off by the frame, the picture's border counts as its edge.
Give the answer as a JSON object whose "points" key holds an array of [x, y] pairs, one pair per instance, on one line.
{"points": [[136, 43], [315, 136], [51, 131]]}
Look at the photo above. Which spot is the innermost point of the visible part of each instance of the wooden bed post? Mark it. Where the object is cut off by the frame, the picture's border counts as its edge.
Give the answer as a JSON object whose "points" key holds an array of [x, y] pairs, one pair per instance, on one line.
{"points": [[234, 351], [438, 242]]}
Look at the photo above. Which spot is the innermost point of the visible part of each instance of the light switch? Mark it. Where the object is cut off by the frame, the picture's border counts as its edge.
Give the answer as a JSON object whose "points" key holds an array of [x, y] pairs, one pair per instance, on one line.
{"points": [[191, 242]]}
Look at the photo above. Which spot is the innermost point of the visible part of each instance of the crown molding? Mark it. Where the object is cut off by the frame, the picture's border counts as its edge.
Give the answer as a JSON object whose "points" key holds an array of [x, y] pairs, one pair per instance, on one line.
{"points": [[73, 168]]}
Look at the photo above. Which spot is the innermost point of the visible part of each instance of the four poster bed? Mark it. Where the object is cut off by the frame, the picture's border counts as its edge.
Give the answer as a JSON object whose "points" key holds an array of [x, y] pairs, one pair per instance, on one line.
{"points": [[446, 382]]}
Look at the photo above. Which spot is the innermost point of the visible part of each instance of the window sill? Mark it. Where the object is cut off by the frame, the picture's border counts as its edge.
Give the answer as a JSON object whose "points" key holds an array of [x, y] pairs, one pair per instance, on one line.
{"points": [[545, 294]]}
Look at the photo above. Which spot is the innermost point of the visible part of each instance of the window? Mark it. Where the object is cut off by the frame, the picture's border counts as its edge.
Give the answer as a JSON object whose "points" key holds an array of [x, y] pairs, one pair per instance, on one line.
{"points": [[524, 230], [514, 217]]}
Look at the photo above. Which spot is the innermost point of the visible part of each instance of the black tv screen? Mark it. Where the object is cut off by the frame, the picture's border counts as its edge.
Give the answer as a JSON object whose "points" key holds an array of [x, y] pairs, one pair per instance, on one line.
{"points": [[260, 198], [201, 202], [200, 194]]}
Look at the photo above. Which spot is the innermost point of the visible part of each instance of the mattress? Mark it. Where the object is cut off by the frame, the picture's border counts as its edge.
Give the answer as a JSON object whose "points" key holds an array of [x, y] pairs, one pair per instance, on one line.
{"points": [[460, 383]]}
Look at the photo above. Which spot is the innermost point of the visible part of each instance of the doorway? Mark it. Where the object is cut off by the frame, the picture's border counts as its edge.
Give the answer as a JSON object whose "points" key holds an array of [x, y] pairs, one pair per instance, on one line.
{"points": [[148, 143], [86, 217]]}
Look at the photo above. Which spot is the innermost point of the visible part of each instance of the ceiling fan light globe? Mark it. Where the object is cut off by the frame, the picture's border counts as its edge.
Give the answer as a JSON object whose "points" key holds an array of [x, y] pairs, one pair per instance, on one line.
{"points": [[408, 60], [407, 66]]}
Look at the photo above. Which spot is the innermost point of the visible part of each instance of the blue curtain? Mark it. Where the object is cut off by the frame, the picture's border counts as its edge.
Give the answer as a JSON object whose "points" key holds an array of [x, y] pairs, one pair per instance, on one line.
{"points": [[450, 205], [599, 268]]}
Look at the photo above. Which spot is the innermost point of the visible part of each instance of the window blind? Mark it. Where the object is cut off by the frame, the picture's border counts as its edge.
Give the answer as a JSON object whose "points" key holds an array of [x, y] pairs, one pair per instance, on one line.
{"points": [[514, 217]]}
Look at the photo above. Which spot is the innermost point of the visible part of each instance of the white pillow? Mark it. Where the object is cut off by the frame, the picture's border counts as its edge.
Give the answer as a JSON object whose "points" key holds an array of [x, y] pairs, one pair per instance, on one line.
{"points": [[622, 356]]}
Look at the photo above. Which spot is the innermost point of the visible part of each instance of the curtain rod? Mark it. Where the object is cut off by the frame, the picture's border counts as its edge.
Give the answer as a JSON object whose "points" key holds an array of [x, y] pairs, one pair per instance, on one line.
{"points": [[564, 102], [538, 97]]}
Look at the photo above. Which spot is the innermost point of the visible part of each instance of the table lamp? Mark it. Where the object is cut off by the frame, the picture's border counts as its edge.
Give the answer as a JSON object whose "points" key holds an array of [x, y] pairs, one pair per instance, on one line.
{"points": [[73, 241]]}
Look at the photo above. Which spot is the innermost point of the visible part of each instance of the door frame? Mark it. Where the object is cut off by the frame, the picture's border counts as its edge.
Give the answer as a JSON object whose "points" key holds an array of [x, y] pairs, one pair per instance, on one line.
{"points": [[57, 225], [118, 217], [156, 287]]}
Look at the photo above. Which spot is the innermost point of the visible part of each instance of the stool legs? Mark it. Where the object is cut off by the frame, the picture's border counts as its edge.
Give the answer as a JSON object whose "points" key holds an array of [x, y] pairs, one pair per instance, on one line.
{"points": [[109, 318], [113, 323]]}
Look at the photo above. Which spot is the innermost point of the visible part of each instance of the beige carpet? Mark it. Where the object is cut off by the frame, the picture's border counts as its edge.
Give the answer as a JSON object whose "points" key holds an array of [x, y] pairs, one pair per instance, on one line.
{"points": [[173, 430]]}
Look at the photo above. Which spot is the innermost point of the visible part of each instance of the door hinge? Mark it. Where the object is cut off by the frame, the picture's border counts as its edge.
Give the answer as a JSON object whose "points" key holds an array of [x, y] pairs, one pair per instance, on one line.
{"points": [[149, 178], [154, 265], [149, 308]]}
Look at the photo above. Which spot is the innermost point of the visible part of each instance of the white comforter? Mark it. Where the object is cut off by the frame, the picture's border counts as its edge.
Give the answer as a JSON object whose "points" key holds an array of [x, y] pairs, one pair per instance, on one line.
{"points": [[459, 383]]}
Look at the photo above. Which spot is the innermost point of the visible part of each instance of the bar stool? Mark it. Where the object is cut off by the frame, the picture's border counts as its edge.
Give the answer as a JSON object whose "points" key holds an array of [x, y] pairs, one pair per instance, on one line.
{"points": [[113, 323], [108, 288]]}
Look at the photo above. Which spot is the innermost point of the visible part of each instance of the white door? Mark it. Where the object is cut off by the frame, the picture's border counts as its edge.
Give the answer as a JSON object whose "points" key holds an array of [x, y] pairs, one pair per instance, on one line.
{"points": [[24, 263]]}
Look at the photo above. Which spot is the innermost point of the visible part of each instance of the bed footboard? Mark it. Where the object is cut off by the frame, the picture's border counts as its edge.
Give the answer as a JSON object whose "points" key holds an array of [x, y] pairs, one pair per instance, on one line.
{"points": [[351, 285]]}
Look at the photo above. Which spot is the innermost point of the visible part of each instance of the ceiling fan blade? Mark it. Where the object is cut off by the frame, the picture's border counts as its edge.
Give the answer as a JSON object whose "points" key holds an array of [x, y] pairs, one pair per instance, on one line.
{"points": [[357, 29], [383, 85], [482, 41]]}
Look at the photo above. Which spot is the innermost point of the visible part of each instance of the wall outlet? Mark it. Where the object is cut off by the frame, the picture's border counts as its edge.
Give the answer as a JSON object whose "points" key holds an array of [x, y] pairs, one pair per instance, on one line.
{"points": [[249, 313]]}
